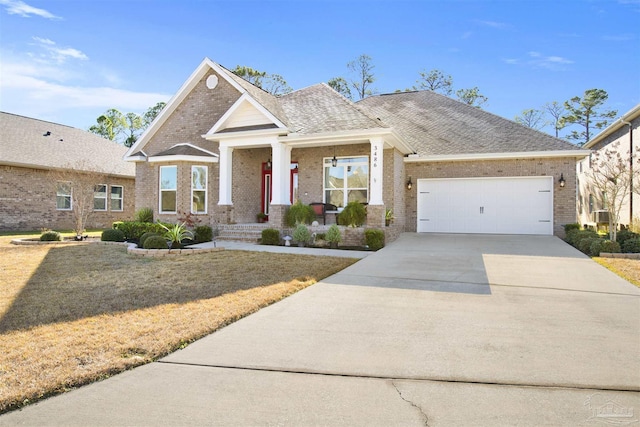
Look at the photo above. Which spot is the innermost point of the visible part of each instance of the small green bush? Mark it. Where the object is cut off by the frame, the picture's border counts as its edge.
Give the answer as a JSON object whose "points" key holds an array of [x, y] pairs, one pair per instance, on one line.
{"points": [[574, 236], [333, 235], [624, 235], [631, 246], [271, 236], [144, 215], [203, 233], [609, 246], [353, 215], [596, 247], [112, 235], [133, 230], [569, 227], [301, 234], [584, 245], [145, 236], [374, 238], [155, 242], [50, 236], [299, 213]]}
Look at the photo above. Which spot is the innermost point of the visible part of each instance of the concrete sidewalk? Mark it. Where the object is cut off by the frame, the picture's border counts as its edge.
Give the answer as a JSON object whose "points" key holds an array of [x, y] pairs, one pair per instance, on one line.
{"points": [[433, 329]]}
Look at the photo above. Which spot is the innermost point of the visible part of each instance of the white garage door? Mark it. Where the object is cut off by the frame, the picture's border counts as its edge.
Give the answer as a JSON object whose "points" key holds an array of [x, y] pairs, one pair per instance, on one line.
{"points": [[514, 205]]}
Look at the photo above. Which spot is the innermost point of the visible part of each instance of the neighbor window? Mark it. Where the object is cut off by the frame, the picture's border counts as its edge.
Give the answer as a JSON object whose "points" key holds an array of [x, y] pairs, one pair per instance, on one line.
{"points": [[63, 196], [199, 189], [100, 198], [347, 182], [117, 192], [168, 188]]}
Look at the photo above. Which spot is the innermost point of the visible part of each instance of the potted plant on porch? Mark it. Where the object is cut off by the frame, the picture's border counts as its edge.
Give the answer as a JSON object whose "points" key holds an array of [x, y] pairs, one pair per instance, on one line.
{"points": [[388, 217], [261, 217]]}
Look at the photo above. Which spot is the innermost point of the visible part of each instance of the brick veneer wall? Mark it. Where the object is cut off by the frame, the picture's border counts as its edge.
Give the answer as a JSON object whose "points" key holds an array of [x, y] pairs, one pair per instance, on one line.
{"points": [[28, 202], [564, 200]]}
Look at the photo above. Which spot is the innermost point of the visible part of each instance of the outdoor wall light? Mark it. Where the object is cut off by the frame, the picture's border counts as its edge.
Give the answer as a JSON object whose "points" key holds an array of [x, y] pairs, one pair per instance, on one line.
{"points": [[409, 184], [269, 163], [561, 181], [334, 161]]}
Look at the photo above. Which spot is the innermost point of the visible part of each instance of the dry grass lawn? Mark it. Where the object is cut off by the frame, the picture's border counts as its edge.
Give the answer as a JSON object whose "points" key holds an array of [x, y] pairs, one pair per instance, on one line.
{"points": [[626, 268], [73, 314]]}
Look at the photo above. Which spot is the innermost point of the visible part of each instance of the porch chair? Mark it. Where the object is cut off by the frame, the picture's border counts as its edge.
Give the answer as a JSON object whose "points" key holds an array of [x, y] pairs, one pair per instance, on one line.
{"points": [[322, 209]]}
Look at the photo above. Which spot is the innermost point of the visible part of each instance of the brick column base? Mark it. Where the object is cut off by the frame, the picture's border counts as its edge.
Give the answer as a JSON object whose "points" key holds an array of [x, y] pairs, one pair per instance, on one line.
{"points": [[277, 215], [375, 216], [224, 214]]}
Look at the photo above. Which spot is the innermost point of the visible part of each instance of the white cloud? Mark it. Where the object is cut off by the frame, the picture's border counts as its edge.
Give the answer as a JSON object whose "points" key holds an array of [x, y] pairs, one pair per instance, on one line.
{"points": [[20, 8], [619, 37], [494, 24], [538, 60], [56, 53]]}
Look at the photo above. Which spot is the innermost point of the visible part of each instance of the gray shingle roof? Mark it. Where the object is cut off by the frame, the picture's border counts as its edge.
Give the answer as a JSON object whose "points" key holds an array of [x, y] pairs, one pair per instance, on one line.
{"points": [[437, 125], [22, 142], [319, 108], [184, 150]]}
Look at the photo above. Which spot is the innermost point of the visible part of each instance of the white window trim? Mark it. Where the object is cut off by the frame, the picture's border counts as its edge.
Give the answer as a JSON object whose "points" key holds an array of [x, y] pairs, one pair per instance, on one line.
{"points": [[70, 196], [121, 198], [346, 188], [160, 190], [106, 197], [205, 189]]}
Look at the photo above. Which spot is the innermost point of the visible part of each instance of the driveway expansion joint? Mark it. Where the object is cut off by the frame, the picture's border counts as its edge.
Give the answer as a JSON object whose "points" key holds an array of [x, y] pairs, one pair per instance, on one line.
{"points": [[397, 378]]}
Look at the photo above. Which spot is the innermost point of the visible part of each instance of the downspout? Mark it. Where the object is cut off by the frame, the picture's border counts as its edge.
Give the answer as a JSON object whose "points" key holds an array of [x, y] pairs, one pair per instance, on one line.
{"points": [[630, 170]]}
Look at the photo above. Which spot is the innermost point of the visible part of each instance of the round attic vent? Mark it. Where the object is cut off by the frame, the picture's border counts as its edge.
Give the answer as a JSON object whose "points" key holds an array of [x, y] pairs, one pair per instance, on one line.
{"points": [[212, 81]]}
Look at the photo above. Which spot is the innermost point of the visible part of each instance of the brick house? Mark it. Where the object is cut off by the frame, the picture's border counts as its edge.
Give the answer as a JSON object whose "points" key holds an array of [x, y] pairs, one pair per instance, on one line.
{"points": [[36, 157], [225, 150], [623, 137]]}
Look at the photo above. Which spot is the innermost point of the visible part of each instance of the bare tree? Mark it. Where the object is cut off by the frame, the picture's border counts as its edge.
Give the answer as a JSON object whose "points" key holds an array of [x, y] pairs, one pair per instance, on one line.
{"points": [[435, 81], [556, 111], [363, 70], [75, 188], [531, 118], [609, 181]]}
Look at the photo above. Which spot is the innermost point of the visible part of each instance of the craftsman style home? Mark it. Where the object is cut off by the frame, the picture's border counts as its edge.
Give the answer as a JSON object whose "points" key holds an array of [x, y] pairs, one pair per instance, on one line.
{"points": [[225, 151], [39, 163]]}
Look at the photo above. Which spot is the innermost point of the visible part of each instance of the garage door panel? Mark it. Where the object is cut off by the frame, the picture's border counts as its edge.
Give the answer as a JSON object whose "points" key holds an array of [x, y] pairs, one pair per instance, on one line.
{"points": [[516, 205]]}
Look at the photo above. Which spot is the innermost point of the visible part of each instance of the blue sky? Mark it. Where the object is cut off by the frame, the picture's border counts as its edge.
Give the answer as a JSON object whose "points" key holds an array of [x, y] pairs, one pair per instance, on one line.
{"points": [[67, 61]]}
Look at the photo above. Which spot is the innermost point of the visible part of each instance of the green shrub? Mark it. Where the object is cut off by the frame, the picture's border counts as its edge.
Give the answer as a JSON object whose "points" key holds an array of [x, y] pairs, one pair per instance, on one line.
{"points": [[611, 247], [574, 236], [584, 245], [144, 215], [203, 233], [569, 227], [299, 213], [353, 215], [301, 234], [624, 235], [155, 242], [145, 236], [271, 236], [50, 236], [112, 235], [596, 247], [374, 238], [631, 246], [333, 235], [133, 230], [176, 233]]}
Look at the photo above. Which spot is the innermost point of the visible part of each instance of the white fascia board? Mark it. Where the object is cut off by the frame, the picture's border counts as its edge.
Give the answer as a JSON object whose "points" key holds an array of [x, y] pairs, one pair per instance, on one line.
{"points": [[252, 135], [249, 142], [182, 93], [183, 158], [578, 154], [358, 136], [244, 98], [630, 115], [135, 159]]}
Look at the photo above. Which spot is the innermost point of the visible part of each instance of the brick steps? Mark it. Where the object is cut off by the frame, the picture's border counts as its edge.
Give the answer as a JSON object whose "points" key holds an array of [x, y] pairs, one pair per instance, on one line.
{"points": [[241, 232]]}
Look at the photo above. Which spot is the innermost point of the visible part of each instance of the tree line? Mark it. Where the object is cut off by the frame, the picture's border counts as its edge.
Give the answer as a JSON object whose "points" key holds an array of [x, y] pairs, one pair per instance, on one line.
{"points": [[586, 112]]}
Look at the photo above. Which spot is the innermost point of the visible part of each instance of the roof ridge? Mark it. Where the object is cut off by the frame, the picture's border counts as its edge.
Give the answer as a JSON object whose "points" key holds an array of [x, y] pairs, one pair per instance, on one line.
{"points": [[40, 120], [355, 105]]}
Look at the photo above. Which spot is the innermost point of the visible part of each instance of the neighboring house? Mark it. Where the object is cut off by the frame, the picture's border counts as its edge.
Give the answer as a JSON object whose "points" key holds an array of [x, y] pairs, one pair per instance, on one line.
{"points": [[623, 137], [37, 158], [226, 150]]}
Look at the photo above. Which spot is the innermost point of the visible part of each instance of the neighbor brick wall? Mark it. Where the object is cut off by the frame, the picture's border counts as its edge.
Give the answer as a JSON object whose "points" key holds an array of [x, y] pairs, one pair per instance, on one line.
{"points": [[28, 201], [564, 200]]}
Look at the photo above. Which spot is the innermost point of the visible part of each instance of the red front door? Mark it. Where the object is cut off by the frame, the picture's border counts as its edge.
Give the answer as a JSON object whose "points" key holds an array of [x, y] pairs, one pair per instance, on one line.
{"points": [[267, 186]]}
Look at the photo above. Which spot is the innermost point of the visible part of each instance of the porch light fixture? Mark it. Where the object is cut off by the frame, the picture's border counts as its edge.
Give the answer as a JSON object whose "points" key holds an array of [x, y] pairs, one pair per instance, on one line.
{"points": [[269, 163], [334, 161], [561, 181], [409, 184]]}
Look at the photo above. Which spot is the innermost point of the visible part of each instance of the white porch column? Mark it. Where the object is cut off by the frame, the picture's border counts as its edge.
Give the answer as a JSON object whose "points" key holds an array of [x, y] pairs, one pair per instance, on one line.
{"points": [[226, 161], [281, 173], [376, 167]]}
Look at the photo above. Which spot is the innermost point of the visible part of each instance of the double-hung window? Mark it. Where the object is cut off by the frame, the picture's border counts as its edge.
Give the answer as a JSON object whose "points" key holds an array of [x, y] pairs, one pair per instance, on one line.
{"points": [[100, 197], [347, 182], [168, 188], [63, 196], [117, 193], [199, 189]]}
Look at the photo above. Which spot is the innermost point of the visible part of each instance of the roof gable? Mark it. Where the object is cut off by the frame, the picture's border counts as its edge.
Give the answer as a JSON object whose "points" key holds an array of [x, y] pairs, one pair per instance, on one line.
{"points": [[246, 114]]}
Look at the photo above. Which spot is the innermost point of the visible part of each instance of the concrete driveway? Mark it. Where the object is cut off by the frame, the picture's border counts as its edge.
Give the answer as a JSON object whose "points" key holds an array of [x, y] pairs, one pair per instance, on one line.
{"points": [[431, 330]]}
